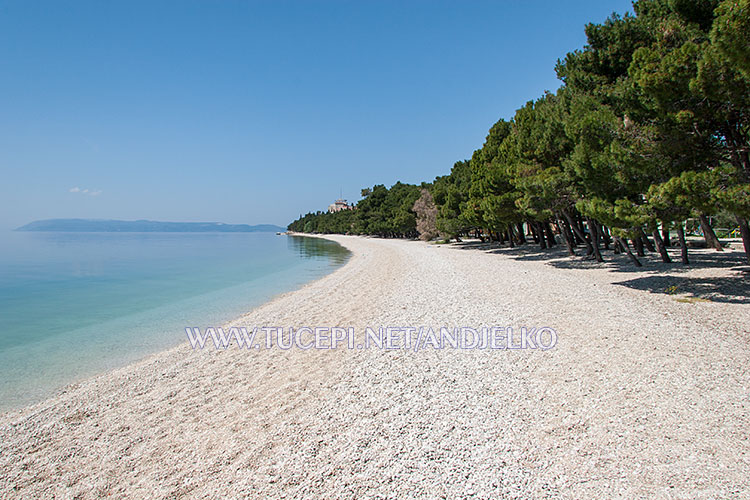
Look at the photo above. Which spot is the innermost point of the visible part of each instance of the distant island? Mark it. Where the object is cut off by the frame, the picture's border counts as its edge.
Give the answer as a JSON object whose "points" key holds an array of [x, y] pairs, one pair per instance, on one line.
{"points": [[143, 226]]}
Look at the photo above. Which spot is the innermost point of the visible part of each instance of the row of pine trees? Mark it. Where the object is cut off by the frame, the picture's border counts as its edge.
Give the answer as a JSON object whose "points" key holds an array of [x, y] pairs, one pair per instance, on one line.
{"points": [[650, 128]]}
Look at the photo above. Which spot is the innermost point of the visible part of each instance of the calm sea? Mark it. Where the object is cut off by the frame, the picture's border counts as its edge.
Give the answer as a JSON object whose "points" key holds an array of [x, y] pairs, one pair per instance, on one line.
{"points": [[76, 304]]}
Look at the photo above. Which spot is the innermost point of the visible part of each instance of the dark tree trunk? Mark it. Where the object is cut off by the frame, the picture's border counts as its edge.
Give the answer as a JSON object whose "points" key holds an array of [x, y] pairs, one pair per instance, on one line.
{"points": [[567, 236], [683, 243], [550, 235], [660, 246], [605, 235], [708, 234], [567, 231], [582, 232], [510, 236], [540, 234], [638, 244], [745, 233], [665, 234], [618, 246], [575, 231], [624, 245], [594, 231], [646, 241], [535, 232], [579, 233], [521, 237]]}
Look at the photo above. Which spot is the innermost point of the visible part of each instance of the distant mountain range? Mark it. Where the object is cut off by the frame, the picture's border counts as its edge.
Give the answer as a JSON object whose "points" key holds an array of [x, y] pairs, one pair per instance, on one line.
{"points": [[143, 226]]}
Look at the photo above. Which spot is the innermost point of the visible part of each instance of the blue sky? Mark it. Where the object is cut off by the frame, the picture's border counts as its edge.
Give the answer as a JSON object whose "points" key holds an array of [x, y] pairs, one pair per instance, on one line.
{"points": [[257, 111]]}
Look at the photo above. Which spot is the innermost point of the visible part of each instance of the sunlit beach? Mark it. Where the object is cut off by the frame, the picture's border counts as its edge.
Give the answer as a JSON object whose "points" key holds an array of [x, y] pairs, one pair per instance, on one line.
{"points": [[352, 250]]}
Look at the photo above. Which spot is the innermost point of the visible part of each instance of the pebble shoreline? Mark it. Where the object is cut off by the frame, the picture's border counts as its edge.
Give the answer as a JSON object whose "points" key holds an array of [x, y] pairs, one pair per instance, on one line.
{"points": [[645, 395]]}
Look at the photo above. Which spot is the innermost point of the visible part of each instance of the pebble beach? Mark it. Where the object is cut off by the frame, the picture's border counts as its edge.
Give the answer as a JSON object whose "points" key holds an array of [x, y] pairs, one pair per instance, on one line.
{"points": [[646, 393]]}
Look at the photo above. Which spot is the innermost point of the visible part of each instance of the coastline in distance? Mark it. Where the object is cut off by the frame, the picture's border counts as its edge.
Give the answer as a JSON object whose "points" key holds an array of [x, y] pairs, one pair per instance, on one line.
{"points": [[138, 226]]}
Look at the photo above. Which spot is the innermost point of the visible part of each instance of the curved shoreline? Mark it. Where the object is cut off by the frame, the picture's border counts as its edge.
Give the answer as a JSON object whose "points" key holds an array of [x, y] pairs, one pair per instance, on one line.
{"points": [[611, 411], [8, 414], [46, 365]]}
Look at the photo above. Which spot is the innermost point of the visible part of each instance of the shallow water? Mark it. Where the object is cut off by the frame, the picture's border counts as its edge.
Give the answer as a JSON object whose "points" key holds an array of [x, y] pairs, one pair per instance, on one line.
{"points": [[76, 304]]}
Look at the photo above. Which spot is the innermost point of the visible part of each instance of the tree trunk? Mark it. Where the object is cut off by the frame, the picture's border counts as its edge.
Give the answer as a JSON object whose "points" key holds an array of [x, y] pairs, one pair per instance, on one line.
{"points": [[539, 235], [708, 234], [510, 236], [594, 230], [646, 241], [624, 245], [550, 235], [521, 237], [582, 232], [638, 244], [683, 243], [567, 232], [567, 236], [745, 233], [579, 233], [665, 234], [534, 228], [542, 234], [660, 246], [574, 231], [605, 235]]}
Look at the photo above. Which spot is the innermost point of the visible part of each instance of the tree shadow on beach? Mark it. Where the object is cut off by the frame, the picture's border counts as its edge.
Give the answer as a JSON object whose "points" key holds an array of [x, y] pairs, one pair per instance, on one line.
{"points": [[473, 245], [675, 278], [732, 289], [519, 252], [699, 259], [655, 276]]}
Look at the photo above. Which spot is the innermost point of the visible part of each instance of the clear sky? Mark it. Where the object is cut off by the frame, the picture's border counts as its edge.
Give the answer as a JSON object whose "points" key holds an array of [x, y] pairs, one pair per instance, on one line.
{"points": [[257, 111]]}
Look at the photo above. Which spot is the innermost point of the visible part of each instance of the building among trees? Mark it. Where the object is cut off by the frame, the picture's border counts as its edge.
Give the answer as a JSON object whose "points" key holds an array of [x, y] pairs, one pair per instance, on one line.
{"points": [[339, 205]]}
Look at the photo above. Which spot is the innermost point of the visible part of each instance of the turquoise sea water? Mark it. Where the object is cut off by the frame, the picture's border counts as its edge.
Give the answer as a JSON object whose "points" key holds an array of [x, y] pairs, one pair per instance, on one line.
{"points": [[76, 304]]}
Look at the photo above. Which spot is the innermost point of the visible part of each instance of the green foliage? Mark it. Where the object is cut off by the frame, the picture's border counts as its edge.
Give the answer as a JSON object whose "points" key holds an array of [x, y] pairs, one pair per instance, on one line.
{"points": [[731, 31], [651, 126], [450, 193], [383, 212], [325, 223]]}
